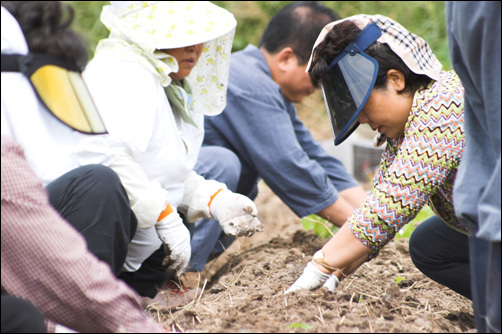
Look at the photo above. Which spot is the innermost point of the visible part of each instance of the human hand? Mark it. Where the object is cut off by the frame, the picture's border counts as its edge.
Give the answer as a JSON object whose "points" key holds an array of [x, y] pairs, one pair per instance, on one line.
{"points": [[176, 239], [331, 283], [312, 279], [236, 214]]}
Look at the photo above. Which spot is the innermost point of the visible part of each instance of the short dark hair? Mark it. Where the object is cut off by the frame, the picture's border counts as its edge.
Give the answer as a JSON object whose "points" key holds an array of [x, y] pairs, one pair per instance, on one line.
{"points": [[297, 25], [46, 26], [345, 33]]}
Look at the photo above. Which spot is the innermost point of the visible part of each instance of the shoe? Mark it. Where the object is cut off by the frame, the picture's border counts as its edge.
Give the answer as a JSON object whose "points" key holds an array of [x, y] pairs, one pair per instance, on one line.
{"points": [[171, 296]]}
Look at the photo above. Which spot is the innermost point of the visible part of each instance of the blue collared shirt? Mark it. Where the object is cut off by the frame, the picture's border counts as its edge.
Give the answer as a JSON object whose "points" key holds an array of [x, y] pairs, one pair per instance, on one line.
{"points": [[263, 129]]}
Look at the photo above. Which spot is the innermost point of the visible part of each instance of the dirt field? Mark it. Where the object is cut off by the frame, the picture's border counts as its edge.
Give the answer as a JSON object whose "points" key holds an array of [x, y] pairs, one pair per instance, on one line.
{"points": [[242, 290]]}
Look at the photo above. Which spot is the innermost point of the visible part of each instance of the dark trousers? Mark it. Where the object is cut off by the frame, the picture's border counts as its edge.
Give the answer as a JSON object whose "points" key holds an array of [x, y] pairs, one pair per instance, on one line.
{"points": [[20, 316], [93, 200], [151, 276], [442, 254], [206, 234]]}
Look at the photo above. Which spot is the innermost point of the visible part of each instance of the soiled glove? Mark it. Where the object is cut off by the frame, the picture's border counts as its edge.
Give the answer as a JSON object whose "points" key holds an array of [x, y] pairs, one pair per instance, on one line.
{"points": [[176, 239], [331, 283], [312, 279], [236, 214]]}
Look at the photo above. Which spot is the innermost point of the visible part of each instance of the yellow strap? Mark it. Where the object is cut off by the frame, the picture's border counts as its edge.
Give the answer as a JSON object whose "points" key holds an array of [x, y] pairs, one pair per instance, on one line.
{"points": [[167, 211], [319, 259]]}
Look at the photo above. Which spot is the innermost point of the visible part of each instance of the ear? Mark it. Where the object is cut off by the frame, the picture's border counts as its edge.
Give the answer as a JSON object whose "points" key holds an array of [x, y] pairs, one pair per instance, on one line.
{"points": [[396, 79], [286, 58]]}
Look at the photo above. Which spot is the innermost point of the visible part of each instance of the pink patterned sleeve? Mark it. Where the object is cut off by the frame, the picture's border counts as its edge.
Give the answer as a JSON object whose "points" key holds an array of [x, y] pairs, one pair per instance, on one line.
{"points": [[46, 261]]}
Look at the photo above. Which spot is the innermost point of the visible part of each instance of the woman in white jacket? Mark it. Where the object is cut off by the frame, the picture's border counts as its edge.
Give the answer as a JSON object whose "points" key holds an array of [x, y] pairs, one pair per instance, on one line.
{"points": [[163, 67]]}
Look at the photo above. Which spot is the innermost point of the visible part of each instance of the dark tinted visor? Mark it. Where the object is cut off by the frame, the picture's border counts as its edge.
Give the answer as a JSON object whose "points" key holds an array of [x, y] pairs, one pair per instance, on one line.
{"points": [[348, 83], [346, 88]]}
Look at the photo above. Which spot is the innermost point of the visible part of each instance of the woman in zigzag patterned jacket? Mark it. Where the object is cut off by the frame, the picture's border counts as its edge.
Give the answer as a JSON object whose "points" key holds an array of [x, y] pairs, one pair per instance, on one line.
{"points": [[372, 70]]}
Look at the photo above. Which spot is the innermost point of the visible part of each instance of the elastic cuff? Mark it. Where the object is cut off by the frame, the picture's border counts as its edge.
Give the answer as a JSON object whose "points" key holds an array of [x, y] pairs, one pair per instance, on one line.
{"points": [[167, 211], [212, 197]]}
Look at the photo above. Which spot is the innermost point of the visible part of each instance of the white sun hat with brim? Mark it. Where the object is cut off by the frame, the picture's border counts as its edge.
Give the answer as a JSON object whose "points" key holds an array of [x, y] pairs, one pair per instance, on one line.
{"points": [[140, 29]]}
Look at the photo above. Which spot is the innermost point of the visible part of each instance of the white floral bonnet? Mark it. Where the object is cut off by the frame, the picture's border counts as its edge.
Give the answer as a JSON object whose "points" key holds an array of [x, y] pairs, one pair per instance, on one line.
{"points": [[139, 29]]}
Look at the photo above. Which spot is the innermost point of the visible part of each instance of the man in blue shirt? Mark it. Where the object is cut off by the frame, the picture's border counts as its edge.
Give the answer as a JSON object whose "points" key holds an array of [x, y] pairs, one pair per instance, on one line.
{"points": [[261, 127]]}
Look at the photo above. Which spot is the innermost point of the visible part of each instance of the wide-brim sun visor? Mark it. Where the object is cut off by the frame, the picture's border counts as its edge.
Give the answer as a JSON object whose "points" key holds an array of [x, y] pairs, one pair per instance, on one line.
{"points": [[60, 88], [348, 82]]}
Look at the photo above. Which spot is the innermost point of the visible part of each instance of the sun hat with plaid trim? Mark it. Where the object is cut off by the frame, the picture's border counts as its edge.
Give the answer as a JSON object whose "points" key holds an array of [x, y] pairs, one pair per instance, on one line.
{"points": [[350, 77], [412, 49]]}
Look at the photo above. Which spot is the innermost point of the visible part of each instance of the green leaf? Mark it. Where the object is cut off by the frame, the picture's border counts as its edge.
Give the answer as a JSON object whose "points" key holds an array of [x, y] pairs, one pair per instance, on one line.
{"points": [[307, 223], [304, 326], [322, 228], [407, 230], [398, 279]]}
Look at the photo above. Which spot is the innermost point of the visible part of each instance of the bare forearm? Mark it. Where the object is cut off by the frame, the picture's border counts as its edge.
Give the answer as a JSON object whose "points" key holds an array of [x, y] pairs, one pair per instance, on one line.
{"points": [[344, 252], [338, 212]]}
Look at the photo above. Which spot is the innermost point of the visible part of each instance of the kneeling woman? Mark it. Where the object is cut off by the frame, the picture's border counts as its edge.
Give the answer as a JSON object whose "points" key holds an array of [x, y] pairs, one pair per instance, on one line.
{"points": [[372, 70]]}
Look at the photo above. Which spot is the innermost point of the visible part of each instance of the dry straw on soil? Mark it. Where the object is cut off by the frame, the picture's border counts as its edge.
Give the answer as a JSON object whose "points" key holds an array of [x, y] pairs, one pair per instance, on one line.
{"points": [[242, 291]]}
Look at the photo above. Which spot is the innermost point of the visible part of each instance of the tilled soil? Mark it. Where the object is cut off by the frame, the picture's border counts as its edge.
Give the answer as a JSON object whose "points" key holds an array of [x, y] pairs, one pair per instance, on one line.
{"points": [[242, 290]]}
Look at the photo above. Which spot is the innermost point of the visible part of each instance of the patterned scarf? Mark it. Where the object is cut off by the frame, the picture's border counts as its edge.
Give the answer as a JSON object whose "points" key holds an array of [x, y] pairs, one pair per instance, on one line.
{"points": [[179, 95]]}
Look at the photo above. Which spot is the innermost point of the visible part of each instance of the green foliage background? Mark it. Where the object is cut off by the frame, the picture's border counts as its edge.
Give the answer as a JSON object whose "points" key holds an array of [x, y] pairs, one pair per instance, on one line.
{"points": [[424, 18], [324, 229]]}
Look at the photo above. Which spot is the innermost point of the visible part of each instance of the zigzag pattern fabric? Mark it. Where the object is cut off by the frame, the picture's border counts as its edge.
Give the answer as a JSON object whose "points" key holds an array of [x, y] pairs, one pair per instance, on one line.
{"points": [[418, 168]]}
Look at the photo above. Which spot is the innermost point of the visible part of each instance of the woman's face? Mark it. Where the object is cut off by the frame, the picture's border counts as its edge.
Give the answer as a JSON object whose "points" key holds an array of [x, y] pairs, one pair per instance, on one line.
{"points": [[187, 58], [386, 111]]}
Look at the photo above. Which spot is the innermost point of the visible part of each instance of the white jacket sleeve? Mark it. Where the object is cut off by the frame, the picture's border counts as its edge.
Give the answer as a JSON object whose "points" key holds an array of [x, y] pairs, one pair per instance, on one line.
{"points": [[148, 199], [198, 194]]}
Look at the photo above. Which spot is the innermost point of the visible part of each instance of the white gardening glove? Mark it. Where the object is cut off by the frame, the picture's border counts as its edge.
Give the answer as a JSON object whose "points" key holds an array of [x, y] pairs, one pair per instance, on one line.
{"points": [[176, 239], [236, 214], [312, 279], [331, 283]]}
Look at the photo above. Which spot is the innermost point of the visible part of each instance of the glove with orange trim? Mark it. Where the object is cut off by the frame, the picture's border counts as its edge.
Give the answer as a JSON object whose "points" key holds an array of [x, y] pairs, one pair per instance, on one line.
{"points": [[236, 213], [176, 239]]}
